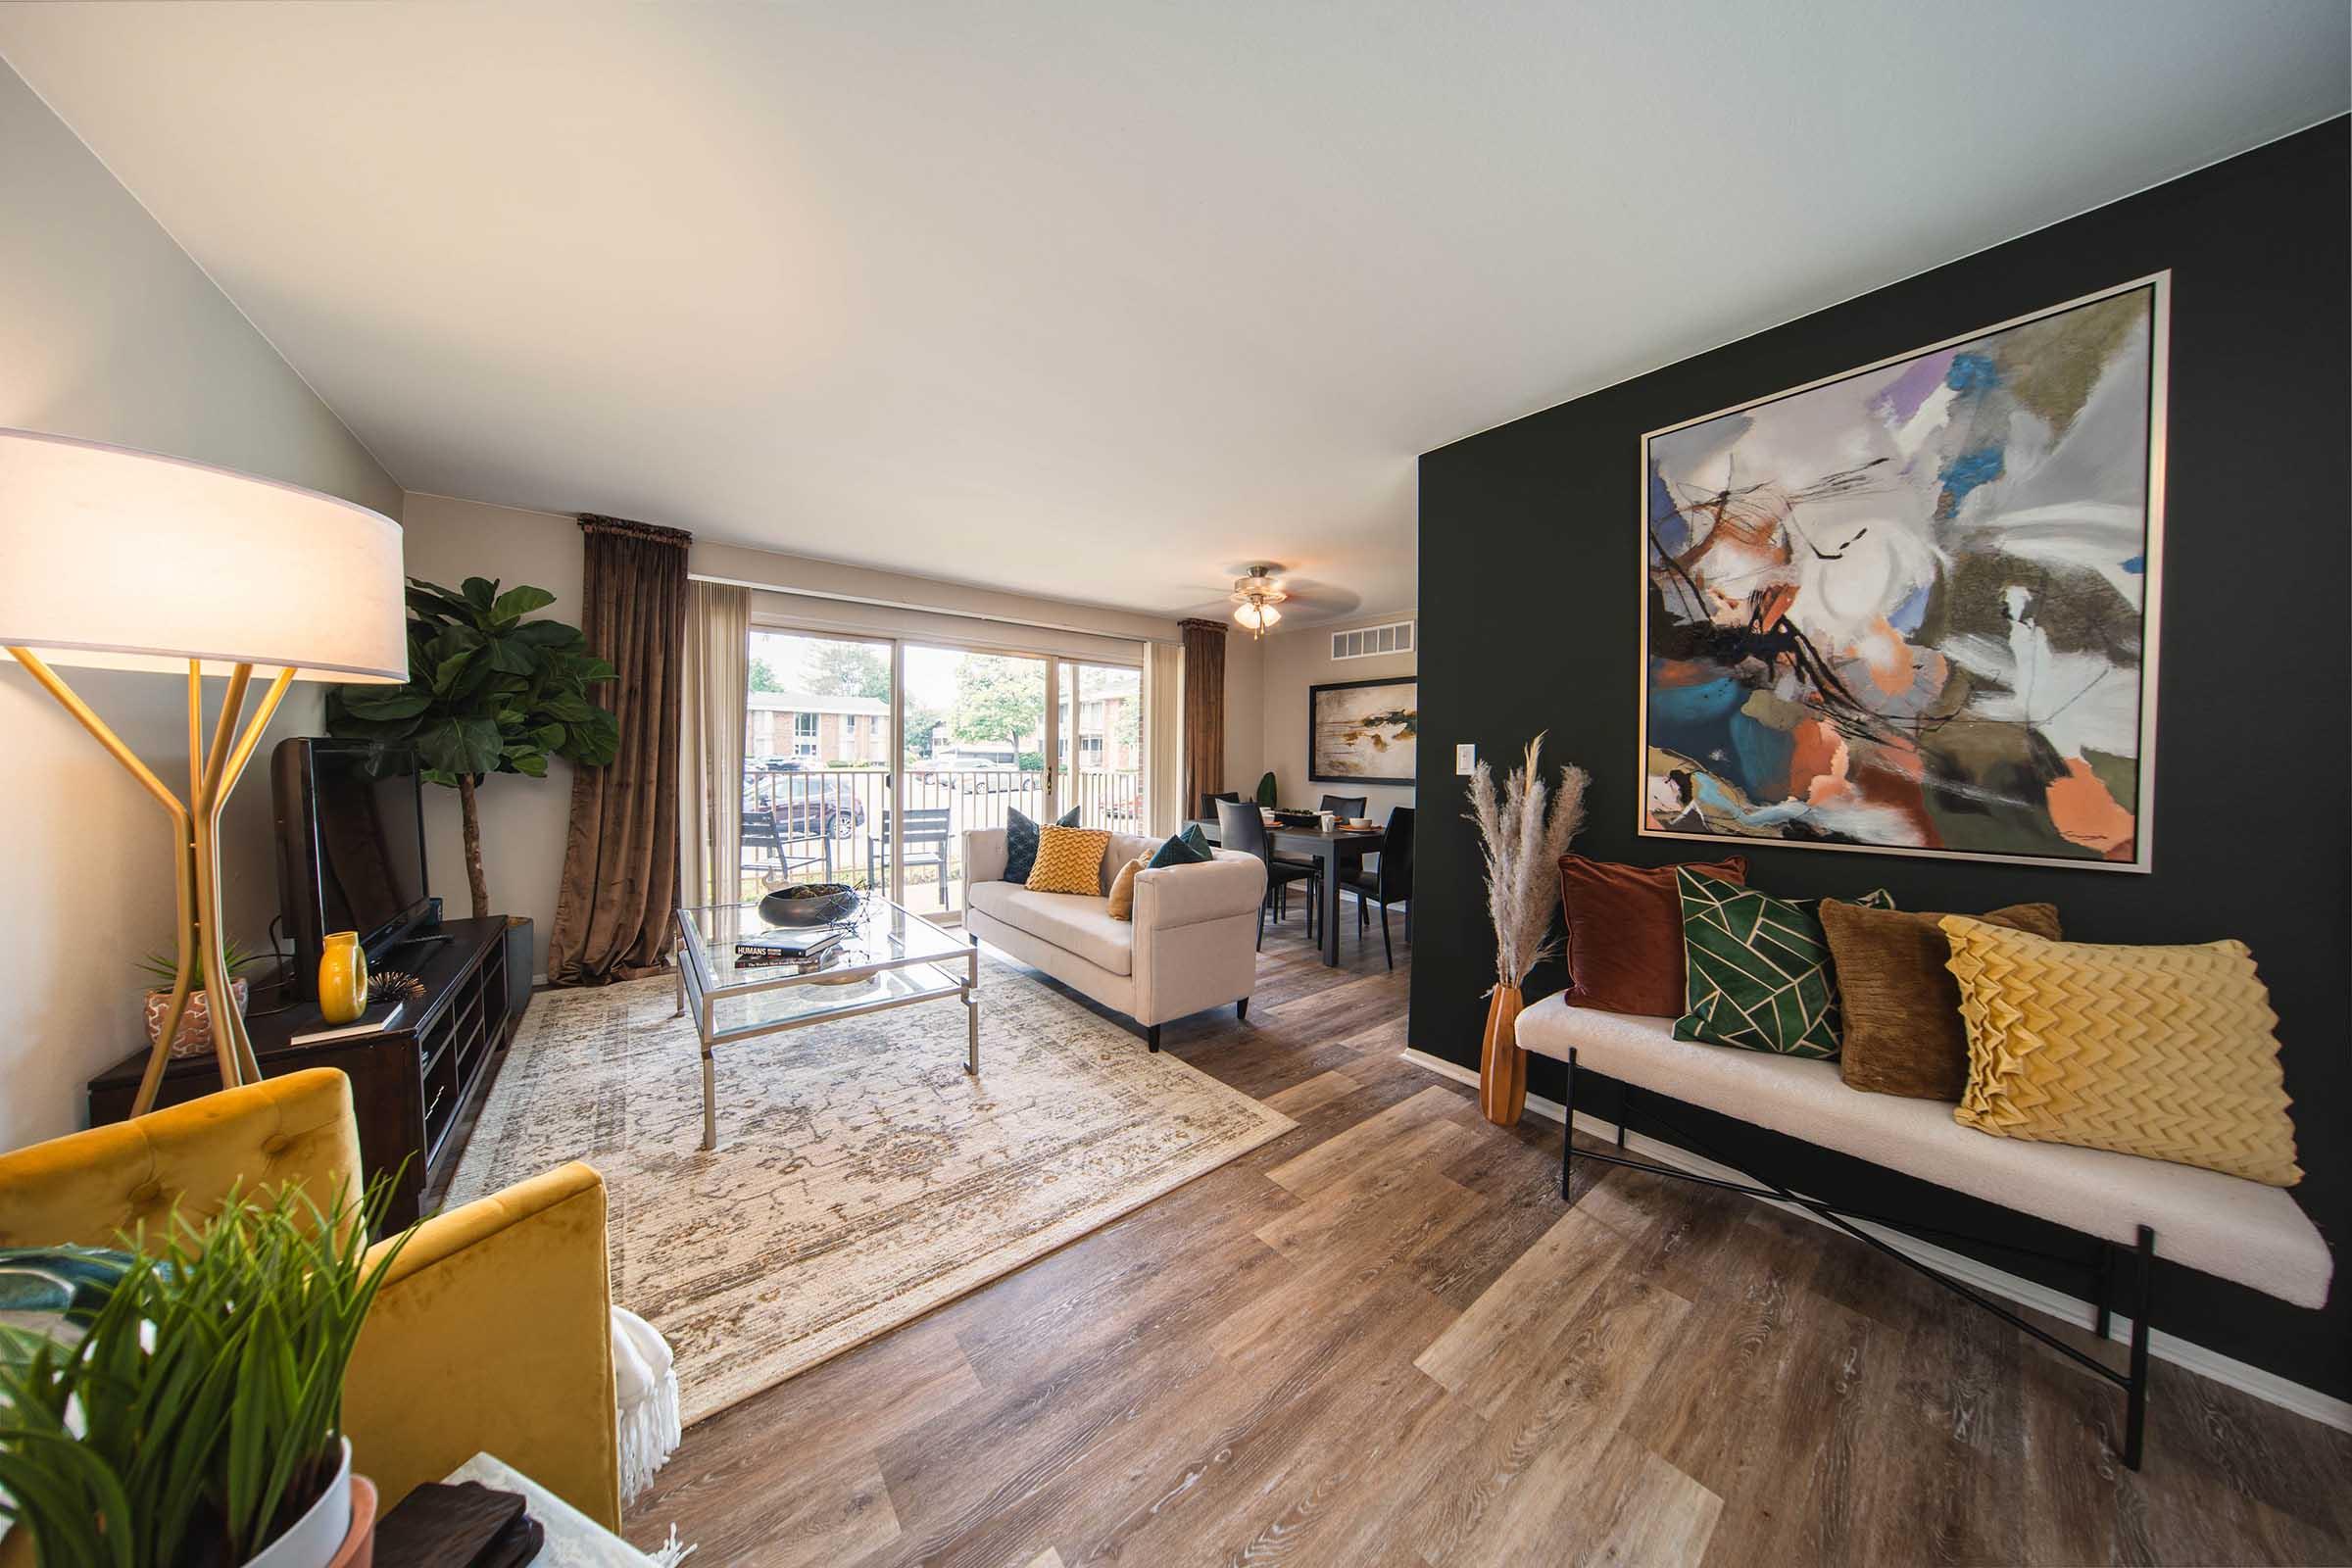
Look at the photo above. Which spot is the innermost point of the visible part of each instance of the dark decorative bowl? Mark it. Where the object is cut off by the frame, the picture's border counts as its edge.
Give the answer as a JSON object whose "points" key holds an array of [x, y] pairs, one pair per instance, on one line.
{"points": [[808, 904]]}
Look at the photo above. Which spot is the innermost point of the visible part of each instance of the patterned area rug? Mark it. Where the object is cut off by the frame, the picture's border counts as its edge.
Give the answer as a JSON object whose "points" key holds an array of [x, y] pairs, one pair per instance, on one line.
{"points": [[861, 1177]]}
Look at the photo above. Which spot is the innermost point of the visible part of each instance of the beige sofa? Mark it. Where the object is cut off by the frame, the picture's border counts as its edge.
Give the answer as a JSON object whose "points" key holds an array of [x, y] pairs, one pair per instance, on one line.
{"points": [[1193, 943]]}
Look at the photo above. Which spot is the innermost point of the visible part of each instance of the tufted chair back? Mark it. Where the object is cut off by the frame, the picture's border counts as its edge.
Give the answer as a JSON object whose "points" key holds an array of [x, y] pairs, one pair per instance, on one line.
{"points": [[93, 1187], [497, 1312]]}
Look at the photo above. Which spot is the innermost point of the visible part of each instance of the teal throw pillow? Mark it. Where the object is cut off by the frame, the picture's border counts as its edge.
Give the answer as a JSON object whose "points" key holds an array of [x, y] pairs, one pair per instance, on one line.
{"points": [[1757, 970], [1187, 848]]}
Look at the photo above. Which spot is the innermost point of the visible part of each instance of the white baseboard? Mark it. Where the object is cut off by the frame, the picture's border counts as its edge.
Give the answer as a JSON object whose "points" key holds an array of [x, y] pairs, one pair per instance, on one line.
{"points": [[2324, 1408]]}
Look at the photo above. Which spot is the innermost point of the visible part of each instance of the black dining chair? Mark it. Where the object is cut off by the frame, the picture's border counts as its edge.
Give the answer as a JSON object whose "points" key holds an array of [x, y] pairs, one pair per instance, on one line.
{"points": [[1391, 881], [1348, 809], [1239, 827], [1208, 802]]}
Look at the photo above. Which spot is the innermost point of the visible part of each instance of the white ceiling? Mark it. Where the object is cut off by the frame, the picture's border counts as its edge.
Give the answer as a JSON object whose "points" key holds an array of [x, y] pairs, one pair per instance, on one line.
{"points": [[1099, 300]]}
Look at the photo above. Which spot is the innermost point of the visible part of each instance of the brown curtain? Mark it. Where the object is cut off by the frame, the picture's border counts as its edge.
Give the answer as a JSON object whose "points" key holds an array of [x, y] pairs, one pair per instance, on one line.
{"points": [[620, 862], [1204, 711]]}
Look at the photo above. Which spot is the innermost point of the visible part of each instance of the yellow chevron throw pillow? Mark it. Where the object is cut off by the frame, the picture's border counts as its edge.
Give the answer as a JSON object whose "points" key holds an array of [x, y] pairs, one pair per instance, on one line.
{"points": [[2163, 1052], [1069, 859]]}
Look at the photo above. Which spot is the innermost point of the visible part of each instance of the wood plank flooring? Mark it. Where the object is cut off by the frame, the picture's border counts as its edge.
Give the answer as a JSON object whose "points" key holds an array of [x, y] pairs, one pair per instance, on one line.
{"points": [[1381, 1338]]}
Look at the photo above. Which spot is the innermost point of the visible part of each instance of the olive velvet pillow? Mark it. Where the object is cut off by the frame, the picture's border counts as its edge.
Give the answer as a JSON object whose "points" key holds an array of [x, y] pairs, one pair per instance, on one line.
{"points": [[1625, 933], [1904, 1034]]}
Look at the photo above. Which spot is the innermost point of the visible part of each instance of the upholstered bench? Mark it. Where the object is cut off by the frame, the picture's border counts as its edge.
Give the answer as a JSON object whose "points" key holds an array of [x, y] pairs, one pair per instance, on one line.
{"points": [[2226, 1226]]}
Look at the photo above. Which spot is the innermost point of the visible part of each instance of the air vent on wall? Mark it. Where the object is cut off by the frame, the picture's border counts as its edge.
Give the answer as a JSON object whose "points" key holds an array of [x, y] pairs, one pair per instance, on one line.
{"points": [[1367, 642]]}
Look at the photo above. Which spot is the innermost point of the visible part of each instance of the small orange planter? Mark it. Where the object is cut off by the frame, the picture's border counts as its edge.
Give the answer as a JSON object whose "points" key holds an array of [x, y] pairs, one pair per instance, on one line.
{"points": [[359, 1545], [1502, 1064]]}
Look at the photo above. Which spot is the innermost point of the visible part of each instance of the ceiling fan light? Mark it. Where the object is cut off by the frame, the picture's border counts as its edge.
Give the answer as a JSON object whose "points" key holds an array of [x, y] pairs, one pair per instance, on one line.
{"points": [[1257, 616], [1257, 588]]}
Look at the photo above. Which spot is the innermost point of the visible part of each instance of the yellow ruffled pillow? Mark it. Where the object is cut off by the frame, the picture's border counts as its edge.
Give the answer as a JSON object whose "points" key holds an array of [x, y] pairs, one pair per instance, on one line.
{"points": [[2168, 1053], [1069, 859]]}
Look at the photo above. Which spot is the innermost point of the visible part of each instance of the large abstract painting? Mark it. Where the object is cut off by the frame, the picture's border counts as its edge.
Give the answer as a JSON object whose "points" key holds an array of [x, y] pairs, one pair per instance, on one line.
{"points": [[1912, 608], [1363, 732]]}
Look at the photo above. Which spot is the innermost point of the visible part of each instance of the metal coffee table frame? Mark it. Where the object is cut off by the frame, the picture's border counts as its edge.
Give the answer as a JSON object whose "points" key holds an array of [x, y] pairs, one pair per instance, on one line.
{"points": [[700, 982]]}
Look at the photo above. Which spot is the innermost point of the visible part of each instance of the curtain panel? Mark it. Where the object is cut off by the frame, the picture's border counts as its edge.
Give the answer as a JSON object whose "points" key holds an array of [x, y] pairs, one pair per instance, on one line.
{"points": [[1164, 738], [1204, 711], [621, 858], [714, 682]]}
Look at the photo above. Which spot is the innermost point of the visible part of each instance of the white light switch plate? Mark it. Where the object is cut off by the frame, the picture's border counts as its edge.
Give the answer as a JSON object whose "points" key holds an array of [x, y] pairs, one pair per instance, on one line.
{"points": [[1465, 760]]}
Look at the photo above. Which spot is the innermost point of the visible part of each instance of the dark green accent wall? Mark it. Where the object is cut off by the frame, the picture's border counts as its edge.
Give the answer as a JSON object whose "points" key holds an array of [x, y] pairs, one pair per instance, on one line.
{"points": [[1530, 561]]}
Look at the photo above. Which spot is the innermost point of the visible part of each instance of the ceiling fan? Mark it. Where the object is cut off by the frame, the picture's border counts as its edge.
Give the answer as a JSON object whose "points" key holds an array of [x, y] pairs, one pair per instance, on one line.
{"points": [[1261, 589]]}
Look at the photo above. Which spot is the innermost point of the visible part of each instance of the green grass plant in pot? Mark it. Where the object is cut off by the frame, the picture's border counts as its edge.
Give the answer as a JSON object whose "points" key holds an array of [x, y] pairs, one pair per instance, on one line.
{"points": [[194, 1036], [178, 1404], [489, 691]]}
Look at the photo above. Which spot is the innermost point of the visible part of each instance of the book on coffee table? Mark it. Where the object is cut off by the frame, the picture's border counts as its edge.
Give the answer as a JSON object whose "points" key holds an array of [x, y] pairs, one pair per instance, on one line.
{"points": [[784, 947]]}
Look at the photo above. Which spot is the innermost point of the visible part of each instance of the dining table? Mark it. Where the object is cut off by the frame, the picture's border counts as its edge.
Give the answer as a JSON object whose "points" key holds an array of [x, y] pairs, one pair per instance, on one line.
{"points": [[1330, 850]]}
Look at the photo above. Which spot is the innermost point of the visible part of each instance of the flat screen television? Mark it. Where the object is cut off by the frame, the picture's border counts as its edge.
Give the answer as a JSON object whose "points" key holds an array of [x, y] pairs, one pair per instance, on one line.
{"points": [[350, 848]]}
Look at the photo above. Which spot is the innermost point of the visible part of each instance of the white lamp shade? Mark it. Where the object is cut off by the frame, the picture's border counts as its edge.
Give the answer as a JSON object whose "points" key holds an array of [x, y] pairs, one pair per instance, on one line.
{"points": [[129, 560]]}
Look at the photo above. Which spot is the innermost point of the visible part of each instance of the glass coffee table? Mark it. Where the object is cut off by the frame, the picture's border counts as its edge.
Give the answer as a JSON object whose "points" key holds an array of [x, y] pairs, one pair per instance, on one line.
{"points": [[887, 958]]}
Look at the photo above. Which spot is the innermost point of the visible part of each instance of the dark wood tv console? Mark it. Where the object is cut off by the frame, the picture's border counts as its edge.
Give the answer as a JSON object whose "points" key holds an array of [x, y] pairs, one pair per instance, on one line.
{"points": [[412, 1084]]}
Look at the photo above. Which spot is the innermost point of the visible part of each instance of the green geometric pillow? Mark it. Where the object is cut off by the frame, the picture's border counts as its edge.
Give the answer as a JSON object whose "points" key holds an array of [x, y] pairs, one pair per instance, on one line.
{"points": [[1758, 969]]}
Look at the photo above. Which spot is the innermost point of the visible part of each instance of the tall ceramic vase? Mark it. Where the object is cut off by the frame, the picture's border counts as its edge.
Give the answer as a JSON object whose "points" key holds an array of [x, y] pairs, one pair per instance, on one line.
{"points": [[342, 978], [1502, 1064]]}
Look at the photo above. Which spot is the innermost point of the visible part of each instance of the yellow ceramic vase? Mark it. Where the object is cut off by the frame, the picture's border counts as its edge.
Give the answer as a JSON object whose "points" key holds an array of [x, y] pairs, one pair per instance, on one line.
{"points": [[342, 978]]}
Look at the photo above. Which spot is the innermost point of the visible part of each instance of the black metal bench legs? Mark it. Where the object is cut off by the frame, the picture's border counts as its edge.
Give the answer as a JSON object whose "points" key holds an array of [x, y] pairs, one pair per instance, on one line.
{"points": [[2102, 1268], [2136, 1387]]}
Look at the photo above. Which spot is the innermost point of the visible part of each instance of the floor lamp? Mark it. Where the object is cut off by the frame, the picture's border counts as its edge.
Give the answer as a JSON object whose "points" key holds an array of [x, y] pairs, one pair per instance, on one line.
{"points": [[124, 559]]}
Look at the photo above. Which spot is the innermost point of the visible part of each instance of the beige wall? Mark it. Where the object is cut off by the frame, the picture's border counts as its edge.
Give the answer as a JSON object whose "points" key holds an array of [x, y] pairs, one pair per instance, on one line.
{"points": [[1245, 713], [1294, 660], [111, 332], [523, 819]]}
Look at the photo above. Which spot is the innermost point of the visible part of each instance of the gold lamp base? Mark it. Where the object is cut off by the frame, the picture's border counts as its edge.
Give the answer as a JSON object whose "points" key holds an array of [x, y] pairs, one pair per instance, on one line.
{"points": [[212, 771]]}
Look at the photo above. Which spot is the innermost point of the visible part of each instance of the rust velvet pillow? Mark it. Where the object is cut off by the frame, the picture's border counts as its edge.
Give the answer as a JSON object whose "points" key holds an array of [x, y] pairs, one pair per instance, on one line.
{"points": [[1625, 933], [1903, 1031]]}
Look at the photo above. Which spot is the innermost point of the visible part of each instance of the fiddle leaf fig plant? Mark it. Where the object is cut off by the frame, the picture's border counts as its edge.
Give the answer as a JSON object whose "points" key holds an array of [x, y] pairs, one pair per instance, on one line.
{"points": [[489, 691]]}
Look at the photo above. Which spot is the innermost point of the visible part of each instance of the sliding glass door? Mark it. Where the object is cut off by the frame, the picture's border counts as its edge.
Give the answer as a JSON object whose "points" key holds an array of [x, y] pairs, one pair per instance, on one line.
{"points": [[826, 796], [1100, 745], [815, 760], [974, 750]]}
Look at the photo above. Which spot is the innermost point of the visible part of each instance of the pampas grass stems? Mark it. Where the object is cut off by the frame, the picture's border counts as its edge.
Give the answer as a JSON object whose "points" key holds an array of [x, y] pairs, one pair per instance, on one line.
{"points": [[1522, 834]]}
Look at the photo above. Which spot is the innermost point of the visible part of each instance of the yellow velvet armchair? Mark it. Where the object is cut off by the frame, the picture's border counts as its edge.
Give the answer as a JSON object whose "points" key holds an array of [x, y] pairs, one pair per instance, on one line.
{"points": [[493, 1330]]}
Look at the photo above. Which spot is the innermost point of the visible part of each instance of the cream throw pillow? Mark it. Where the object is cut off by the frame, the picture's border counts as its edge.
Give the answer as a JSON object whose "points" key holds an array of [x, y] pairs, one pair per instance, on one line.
{"points": [[1122, 889], [2162, 1051]]}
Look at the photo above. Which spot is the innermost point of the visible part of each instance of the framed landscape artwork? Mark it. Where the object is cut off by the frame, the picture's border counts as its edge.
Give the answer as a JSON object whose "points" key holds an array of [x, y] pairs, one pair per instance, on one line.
{"points": [[1362, 732], [1912, 608]]}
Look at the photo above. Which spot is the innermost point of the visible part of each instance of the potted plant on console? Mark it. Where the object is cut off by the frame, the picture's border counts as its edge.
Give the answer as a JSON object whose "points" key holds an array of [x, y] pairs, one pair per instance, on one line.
{"points": [[194, 1036], [489, 691]]}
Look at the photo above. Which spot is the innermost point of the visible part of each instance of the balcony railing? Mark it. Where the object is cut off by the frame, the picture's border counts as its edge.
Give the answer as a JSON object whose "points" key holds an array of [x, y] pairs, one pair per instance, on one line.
{"points": [[833, 824]]}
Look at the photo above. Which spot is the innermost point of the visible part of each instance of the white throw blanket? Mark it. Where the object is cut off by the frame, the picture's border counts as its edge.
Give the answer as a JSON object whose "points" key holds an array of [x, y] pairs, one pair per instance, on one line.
{"points": [[647, 1380]]}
